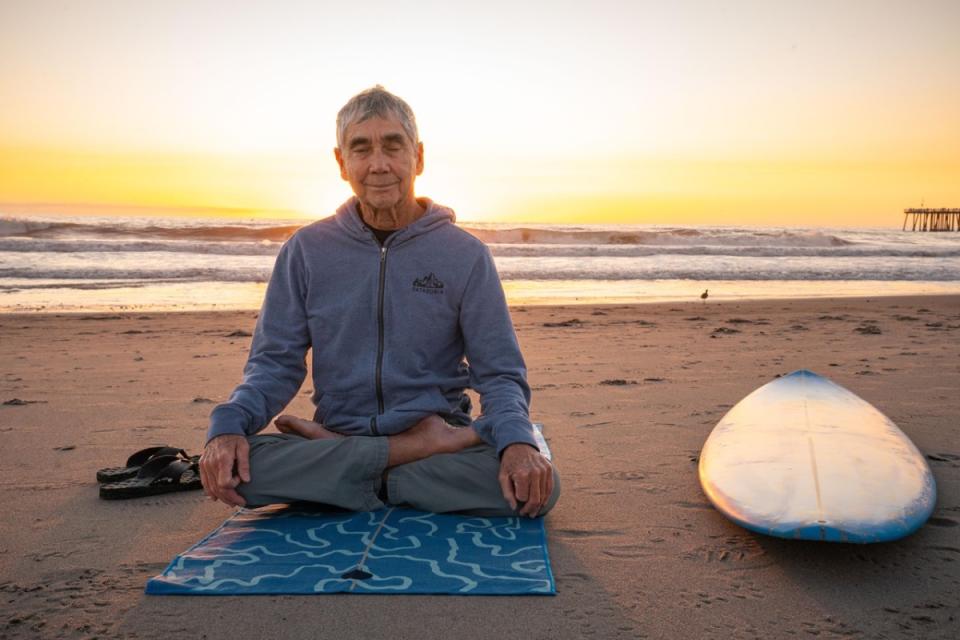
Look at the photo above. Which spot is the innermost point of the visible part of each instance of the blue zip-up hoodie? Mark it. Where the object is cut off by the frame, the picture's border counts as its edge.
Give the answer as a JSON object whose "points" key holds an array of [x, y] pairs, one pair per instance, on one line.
{"points": [[390, 327]]}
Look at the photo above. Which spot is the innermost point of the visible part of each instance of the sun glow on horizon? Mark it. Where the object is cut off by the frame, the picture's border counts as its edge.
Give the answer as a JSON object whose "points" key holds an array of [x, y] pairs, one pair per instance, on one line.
{"points": [[689, 114]]}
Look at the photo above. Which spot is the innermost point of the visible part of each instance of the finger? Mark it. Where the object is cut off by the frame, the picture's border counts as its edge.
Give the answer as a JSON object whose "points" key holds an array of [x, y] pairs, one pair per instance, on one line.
{"points": [[203, 475], [225, 470], [205, 479], [221, 482], [547, 487], [506, 487], [533, 491], [545, 477], [521, 486], [234, 499], [243, 460], [228, 493], [212, 484]]}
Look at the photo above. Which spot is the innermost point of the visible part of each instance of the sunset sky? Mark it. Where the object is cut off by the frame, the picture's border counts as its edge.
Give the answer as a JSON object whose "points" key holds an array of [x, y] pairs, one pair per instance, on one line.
{"points": [[813, 113]]}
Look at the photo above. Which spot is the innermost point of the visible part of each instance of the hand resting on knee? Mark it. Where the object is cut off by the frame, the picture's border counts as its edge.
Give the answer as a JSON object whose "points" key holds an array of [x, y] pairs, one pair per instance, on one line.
{"points": [[225, 463]]}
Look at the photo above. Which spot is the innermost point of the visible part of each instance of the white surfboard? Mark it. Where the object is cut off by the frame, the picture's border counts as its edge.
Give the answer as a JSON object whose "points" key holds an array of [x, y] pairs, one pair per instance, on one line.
{"points": [[802, 457]]}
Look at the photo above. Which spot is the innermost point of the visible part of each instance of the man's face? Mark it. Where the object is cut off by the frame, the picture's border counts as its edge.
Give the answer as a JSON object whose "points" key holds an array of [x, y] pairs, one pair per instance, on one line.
{"points": [[380, 162]]}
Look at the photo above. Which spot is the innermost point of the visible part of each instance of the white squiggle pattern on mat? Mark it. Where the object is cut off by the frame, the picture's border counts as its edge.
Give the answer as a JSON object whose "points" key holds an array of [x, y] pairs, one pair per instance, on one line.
{"points": [[284, 550]]}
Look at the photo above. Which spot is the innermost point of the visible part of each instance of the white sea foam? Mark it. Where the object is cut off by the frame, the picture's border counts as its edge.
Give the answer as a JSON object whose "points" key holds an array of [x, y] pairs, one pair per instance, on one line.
{"points": [[502, 234], [268, 248], [32, 245], [84, 252]]}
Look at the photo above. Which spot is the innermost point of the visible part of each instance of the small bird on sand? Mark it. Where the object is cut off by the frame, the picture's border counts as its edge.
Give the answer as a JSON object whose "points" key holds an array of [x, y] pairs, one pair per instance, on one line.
{"points": [[703, 296]]}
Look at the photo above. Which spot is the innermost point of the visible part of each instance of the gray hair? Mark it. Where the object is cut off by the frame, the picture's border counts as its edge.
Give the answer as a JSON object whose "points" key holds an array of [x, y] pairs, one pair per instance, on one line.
{"points": [[376, 102]]}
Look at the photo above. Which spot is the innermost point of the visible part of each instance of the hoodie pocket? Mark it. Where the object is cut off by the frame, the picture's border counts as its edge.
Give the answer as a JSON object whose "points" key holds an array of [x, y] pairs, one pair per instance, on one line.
{"points": [[404, 414], [339, 412]]}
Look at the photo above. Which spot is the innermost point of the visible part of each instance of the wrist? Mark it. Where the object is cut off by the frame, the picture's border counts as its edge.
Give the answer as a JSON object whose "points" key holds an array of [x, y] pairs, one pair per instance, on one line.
{"points": [[514, 445]]}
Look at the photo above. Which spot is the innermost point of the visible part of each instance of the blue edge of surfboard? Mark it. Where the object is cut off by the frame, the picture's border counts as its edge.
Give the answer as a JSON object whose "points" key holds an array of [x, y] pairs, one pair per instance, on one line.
{"points": [[894, 530], [825, 533]]}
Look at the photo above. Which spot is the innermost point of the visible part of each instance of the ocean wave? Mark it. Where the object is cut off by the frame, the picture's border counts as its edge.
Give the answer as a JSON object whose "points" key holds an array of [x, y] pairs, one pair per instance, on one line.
{"points": [[21, 227], [33, 245], [670, 236], [499, 235], [268, 248], [598, 251], [134, 275], [93, 285], [899, 275], [730, 268], [942, 271], [126, 251]]}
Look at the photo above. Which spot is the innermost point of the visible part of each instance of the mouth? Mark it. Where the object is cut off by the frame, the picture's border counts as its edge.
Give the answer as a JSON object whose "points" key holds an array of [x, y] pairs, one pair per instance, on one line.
{"points": [[381, 186]]}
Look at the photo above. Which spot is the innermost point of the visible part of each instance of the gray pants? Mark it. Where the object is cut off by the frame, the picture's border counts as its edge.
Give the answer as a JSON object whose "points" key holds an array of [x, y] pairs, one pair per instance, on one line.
{"points": [[347, 473]]}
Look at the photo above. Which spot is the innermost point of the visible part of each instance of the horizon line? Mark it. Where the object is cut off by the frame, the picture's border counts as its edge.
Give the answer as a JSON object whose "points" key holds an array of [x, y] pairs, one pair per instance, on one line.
{"points": [[223, 213]]}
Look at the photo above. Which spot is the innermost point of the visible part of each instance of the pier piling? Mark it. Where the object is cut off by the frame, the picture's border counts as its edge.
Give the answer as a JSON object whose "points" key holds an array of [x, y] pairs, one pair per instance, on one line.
{"points": [[932, 219]]}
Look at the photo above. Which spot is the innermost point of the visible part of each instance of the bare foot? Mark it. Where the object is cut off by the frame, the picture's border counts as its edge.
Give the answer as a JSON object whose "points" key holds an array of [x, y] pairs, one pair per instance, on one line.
{"points": [[428, 437], [306, 428]]}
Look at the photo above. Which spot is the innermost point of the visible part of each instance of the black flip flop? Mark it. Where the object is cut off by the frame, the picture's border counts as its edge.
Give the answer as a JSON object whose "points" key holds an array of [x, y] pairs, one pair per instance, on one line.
{"points": [[162, 474], [137, 460]]}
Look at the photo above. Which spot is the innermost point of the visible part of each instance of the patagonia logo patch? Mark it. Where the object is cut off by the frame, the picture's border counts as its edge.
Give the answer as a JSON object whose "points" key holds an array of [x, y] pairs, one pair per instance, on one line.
{"points": [[428, 284]]}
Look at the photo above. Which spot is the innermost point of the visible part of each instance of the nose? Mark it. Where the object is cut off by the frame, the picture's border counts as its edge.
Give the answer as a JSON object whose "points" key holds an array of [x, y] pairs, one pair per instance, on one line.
{"points": [[378, 161]]}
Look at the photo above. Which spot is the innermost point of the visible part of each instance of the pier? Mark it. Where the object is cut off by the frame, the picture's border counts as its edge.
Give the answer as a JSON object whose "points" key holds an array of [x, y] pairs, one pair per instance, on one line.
{"points": [[932, 219]]}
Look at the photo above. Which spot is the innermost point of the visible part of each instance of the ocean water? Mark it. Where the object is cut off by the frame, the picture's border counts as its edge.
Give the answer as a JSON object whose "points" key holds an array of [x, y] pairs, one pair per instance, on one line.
{"points": [[61, 263]]}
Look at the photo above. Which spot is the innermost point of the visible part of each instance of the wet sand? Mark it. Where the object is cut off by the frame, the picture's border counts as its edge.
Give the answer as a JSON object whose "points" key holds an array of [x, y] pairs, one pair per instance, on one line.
{"points": [[628, 394]]}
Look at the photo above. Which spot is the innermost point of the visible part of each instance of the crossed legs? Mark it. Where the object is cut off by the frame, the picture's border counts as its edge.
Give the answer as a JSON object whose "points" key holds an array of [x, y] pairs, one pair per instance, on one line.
{"points": [[432, 466]]}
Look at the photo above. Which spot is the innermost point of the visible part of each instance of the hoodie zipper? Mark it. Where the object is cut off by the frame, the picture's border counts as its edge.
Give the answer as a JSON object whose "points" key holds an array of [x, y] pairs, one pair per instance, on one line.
{"points": [[379, 371]]}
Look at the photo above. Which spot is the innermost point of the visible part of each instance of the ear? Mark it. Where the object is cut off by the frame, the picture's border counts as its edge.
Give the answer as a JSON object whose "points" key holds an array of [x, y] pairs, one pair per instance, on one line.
{"points": [[343, 167], [419, 158]]}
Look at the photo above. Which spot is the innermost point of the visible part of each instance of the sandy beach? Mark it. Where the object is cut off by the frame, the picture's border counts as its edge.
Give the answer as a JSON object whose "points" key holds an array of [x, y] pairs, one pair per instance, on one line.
{"points": [[627, 393]]}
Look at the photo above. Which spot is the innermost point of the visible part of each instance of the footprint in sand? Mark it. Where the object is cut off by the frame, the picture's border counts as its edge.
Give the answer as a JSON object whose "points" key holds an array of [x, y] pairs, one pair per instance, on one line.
{"points": [[577, 534], [629, 551], [943, 522], [625, 475], [693, 505], [949, 458], [582, 577]]}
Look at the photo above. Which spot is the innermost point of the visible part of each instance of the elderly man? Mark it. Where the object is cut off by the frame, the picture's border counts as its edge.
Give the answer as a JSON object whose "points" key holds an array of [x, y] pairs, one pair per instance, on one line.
{"points": [[403, 311]]}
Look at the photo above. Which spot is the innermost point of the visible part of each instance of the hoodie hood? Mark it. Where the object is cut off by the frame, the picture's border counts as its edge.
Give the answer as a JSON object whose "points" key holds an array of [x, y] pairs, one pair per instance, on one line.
{"points": [[348, 217]]}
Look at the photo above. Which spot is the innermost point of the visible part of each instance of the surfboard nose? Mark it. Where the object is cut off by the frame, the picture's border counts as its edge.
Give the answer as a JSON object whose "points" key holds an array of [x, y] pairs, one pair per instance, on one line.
{"points": [[801, 373]]}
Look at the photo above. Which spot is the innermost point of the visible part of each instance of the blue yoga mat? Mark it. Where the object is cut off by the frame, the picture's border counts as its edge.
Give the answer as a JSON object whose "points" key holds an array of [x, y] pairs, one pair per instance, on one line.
{"points": [[286, 549], [282, 549]]}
